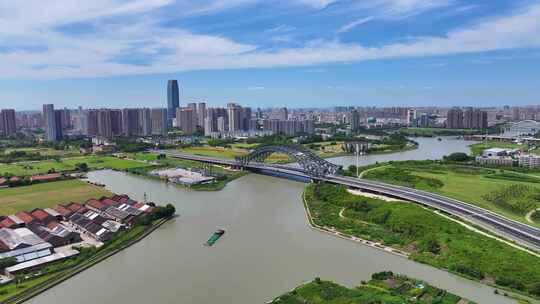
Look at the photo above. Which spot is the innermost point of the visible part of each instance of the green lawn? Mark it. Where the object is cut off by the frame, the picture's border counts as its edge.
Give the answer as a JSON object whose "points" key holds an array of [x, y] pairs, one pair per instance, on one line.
{"points": [[393, 289], [45, 151], [433, 240], [93, 162], [468, 185], [47, 195], [476, 149], [221, 152]]}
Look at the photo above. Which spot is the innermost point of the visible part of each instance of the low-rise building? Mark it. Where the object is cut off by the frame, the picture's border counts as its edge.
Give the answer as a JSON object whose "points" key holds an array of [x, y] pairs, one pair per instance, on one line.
{"points": [[496, 161], [529, 161]]}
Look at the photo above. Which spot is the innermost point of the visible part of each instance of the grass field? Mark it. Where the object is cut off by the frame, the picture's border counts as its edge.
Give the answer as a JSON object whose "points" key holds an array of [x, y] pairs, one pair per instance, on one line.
{"points": [[471, 186], [476, 149], [433, 240], [390, 289], [93, 162], [46, 151], [221, 152], [47, 195]]}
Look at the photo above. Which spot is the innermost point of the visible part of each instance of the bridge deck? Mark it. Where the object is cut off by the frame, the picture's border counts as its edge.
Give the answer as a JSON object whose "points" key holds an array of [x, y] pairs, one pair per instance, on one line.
{"points": [[524, 234]]}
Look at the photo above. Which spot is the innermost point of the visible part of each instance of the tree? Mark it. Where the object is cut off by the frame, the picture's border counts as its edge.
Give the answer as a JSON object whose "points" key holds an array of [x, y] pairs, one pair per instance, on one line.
{"points": [[81, 167], [7, 262], [457, 157]]}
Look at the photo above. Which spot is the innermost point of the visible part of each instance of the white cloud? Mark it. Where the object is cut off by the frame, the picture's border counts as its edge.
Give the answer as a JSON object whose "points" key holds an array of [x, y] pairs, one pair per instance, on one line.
{"points": [[113, 48], [317, 4], [353, 24], [401, 8]]}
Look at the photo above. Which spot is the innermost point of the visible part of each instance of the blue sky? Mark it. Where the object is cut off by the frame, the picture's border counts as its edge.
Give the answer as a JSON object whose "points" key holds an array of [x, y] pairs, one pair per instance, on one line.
{"points": [[296, 53]]}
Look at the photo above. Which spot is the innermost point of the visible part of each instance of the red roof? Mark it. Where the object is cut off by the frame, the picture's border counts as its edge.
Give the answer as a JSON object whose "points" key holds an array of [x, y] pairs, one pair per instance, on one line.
{"points": [[120, 198], [52, 225], [40, 214], [63, 210], [95, 204], [7, 223], [3, 181], [74, 207], [45, 177], [109, 202], [14, 179], [25, 217], [138, 205]]}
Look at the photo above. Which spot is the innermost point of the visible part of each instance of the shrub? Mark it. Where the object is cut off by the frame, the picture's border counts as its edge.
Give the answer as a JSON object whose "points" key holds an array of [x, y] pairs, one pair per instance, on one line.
{"points": [[468, 271], [383, 275], [457, 157]]}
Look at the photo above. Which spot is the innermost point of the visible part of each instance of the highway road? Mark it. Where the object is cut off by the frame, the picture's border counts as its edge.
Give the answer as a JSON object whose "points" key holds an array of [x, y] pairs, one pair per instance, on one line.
{"points": [[515, 231]]}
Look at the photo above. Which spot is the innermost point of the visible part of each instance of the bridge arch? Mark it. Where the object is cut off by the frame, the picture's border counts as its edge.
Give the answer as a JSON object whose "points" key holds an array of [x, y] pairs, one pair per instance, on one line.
{"points": [[310, 162]]}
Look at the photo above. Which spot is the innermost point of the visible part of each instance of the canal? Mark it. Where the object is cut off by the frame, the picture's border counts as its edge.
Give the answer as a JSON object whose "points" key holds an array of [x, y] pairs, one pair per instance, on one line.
{"points": [[267, 250]]}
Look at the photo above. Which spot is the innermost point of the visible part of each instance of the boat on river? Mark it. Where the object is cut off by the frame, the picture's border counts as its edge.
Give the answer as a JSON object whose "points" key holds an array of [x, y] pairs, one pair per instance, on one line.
{"points": [[215, 236]]}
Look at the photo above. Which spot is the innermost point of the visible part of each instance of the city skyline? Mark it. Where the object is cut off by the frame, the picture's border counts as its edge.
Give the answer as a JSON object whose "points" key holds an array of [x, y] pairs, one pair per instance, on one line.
{"points": [[312, 53]]}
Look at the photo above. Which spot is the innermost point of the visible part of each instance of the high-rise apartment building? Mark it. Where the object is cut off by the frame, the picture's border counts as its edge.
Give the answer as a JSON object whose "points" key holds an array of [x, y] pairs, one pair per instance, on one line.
{"points": [[479, 119], [201, 113], [130, 122], [58, 114], [52, 130], [173, 98], [159, 121], [289, 127], [454, 119], [221, 124], [116, 122], [104, 123], [145, 122], [234, 114], [411, 117], [185, 120], [8, 125], [355, 120]]}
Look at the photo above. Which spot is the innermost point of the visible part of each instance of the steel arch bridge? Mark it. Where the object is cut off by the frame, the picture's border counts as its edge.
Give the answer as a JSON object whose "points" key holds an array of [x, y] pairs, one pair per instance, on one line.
{"points": [[312, 164]]}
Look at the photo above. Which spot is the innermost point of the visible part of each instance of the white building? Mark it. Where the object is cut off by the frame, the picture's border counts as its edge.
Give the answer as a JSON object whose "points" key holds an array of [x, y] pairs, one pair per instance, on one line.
{"points": [[529, 161]]}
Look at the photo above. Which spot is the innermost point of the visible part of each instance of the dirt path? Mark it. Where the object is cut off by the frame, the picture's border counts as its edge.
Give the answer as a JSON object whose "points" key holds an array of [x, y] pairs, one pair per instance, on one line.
{"points": [[528, 216]]}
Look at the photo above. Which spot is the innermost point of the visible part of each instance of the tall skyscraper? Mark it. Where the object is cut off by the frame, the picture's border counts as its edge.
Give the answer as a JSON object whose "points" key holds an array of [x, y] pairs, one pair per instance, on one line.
{"points": [[8, 125], [173, 98], [51, 127]]}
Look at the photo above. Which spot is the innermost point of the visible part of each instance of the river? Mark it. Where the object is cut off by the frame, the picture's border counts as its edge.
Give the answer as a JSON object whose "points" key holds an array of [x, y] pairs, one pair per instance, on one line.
{"points": [[267, 250]]}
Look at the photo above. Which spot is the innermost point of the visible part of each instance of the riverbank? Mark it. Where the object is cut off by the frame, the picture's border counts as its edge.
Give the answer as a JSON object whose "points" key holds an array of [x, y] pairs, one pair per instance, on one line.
{"points": [[334, 232], [384, 287], [100, 256], [436, 241]]}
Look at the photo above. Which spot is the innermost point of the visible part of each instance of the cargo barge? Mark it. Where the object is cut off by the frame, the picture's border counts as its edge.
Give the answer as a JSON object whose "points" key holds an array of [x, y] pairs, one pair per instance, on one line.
{"points": [[216, 236]]}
